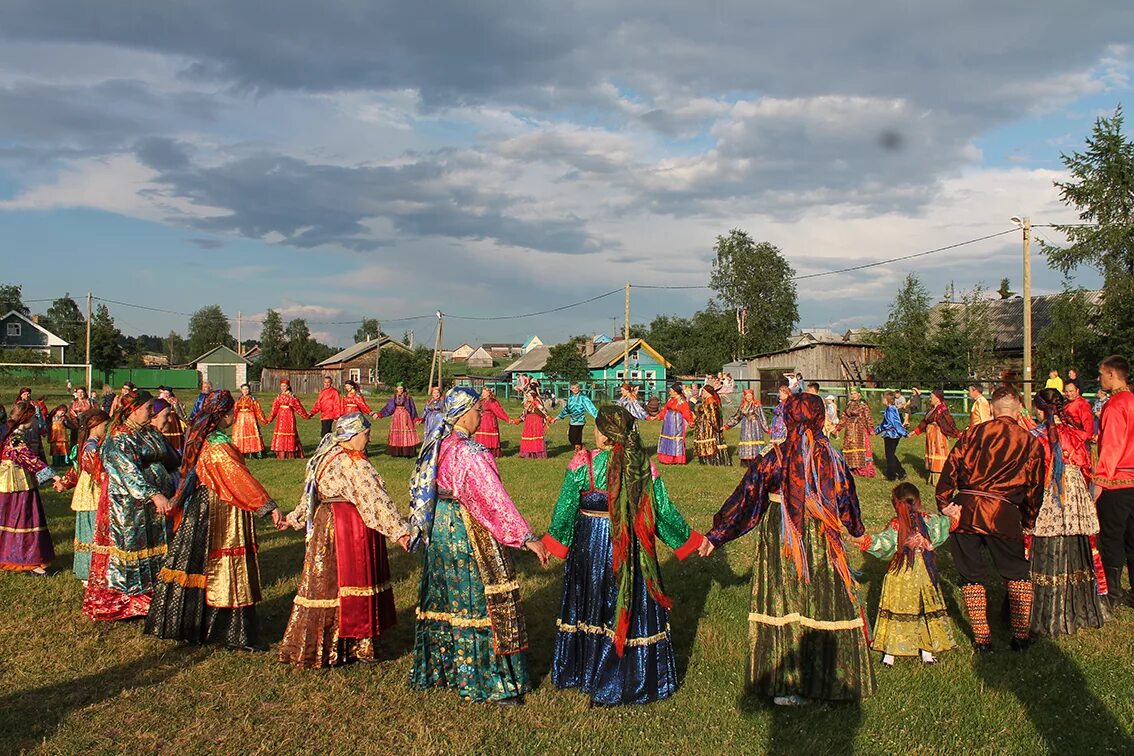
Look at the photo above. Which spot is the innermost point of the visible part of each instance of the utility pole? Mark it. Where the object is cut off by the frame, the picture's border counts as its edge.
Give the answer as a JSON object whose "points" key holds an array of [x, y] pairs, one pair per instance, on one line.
{"points": [[436, 361], [377, 352], [239, 342], [90, 377], [626, 339], [1026, 226]]}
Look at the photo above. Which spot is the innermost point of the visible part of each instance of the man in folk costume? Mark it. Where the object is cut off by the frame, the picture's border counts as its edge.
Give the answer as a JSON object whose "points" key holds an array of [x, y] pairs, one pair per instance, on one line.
{"points": [[329, 405], [981, 410], [209, 584], [1114, 476], [1079, 411], [992, 488], [578, 406], [206, 389], [345, 599]]}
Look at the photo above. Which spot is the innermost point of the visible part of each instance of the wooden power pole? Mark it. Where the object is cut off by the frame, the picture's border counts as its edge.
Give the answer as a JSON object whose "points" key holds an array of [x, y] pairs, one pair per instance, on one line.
{"points": [[1026, 225], [626, 339], [90, 376]]}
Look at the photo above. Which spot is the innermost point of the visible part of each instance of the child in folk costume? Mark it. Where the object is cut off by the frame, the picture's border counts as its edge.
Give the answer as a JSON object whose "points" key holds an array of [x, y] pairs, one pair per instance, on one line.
{"points": [[708, 437], [85, 476], [25, 544], [488, 434], [1066, 587], [285, 439], [938, 427], [753, 426], [612, 636], [677, 416], [246, 430], [58, 436], [345, 600], [831, 421], [401, 439], [433, 412], [912, 618], [209, 584], [533, 440]]}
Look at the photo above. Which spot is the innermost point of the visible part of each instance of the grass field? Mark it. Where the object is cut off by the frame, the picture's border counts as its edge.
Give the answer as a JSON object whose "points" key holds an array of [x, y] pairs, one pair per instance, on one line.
{"points": [[70, 685]]}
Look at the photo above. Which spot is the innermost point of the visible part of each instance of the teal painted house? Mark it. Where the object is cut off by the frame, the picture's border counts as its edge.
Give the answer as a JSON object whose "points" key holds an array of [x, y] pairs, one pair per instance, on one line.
{"points": [[18, 331], [648, 368]]}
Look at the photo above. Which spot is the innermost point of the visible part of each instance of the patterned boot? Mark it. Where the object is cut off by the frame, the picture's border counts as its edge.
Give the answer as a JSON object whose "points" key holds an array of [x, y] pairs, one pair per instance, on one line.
{"points": [[1020, 601], [976, 606]]}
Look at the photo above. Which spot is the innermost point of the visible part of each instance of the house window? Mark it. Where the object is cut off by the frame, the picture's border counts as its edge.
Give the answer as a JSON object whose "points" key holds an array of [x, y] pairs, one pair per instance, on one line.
{"points": [[14, 329], [370, 376], [355, 374]]}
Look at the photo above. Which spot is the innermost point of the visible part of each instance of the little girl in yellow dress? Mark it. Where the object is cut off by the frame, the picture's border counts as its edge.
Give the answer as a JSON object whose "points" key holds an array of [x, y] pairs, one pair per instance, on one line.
{"points": [[912, 618]]}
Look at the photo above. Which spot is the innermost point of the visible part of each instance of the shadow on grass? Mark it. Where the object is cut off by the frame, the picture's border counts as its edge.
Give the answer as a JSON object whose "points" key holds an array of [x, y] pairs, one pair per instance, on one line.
{"points": [[816, 728], [1058, 700], [30, 716], [693, 583]]}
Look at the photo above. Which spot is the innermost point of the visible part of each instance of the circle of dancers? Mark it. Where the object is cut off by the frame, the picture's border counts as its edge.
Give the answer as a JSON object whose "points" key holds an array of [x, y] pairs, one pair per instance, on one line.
{"points": [[166, 515]]}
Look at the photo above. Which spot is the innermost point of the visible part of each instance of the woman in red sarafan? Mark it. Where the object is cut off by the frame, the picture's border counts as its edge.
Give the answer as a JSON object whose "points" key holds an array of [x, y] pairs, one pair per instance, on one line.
{"points": [[488, 435], [533, 443], [401, 441], [285, 439], [246, 430]]}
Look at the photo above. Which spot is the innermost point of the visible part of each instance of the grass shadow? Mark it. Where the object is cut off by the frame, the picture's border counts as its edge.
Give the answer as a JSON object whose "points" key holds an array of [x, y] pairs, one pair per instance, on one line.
{"points": [[1066, 715], [694, 581], [30, 716], [815, 728]]}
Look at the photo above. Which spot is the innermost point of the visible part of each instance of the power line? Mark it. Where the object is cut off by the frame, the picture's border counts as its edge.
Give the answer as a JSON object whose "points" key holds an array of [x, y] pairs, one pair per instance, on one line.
{"points": [[541, 312]]}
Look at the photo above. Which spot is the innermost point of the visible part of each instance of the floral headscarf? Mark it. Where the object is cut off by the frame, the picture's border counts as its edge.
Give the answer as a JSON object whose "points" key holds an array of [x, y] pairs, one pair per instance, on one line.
{"points": [[346, 427], [629, 485], [423, 483], [217, 404]]}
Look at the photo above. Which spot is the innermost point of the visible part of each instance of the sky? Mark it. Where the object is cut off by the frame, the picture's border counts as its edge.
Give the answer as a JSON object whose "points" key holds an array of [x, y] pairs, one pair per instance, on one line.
{"points": [[358, 158]]}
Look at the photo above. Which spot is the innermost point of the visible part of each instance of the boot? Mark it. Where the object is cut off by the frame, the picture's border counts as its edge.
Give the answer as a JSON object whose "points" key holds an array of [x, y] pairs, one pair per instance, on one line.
{"points": [[1115, 594], [976, 606], [1020, 602]]}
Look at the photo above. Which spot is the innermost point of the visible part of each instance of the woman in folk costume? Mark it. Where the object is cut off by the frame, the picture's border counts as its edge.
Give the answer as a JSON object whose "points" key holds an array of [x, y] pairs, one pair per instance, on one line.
{"points": [[401, 440], [612, 638], [345, 600], [1066, 591], [753, 426], [938, 427], [778, 431], [25, 543], [434, 411], [708, 436], [533, 441], [246, 430], [285, 439], [58, 436], [912, 618], [807, 632], [130, 524], [353, 400], [470, 623], [831, 420], [174, 430], [85, 476], [210, 582], [857, 425], [491, 413], [677, 417]]}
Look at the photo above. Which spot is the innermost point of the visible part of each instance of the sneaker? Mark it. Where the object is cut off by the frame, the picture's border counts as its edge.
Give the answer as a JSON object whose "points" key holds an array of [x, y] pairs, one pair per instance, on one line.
{"points": [[982, 648], [792, 700], [513, 701]]}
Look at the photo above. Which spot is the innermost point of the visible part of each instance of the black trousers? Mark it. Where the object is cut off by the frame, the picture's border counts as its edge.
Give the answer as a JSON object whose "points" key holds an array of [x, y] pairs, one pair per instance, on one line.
{"points": [[894, 469], [575, 434], [1007, 557], [1116, 529], [327, 426]]}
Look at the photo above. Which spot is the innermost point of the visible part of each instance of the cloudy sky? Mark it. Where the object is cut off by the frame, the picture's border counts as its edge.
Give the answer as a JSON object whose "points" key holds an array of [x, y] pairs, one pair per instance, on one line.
{"points": [[353, 158]]}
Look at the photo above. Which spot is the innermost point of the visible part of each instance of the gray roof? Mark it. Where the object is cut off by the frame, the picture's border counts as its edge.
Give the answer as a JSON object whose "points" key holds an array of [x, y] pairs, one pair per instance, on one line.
{"points": [[359, 349], [532, 362], [610, 353], [1006, 317], [812, 344]]}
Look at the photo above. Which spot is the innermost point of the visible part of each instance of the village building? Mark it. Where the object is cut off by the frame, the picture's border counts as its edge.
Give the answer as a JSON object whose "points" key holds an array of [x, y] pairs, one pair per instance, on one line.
{"points": [[530, 344], [827, 360], [222, 367], [19, 332], [605, 362]]}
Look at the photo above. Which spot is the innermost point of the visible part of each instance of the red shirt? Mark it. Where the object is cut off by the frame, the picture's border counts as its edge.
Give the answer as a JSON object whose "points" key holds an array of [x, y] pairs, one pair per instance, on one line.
{"points": [[1115, 466], [329, 405], [1081, 413]]}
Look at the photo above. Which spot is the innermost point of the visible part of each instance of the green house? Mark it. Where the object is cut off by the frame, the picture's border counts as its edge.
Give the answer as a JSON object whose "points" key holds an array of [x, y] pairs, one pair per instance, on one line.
{"points": [[223, 368], [648, 368]]}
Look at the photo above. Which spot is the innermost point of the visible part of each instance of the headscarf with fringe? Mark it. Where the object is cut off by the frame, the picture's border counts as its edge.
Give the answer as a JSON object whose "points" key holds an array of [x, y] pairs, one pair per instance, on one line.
{"points": [[346, 427], [423, 483], [216, 405], [630, 489]]}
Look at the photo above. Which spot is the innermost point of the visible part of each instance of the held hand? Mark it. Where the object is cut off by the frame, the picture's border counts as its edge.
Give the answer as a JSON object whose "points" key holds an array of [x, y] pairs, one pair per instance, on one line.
{"points": [[57, 485], [161, 504], [278, 519], [952, 511], [706, 548], [537, 548], [404, 542]]}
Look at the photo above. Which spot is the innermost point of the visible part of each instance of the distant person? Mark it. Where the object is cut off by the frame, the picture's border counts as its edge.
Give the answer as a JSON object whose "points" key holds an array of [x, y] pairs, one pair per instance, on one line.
{"points": [[206, 389], [795, 384], [577, 408], [902, 404], [892, 431], [980, 411], [328, 405], [1101, 398], [1054, 381], [1072, 375], [1114, 475], [813, 388], [106, 401], [1079, 411]]}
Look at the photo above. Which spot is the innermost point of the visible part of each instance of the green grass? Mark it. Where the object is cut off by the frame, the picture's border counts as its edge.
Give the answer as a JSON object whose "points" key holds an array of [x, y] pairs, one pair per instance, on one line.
{"points": [[71, 685]]}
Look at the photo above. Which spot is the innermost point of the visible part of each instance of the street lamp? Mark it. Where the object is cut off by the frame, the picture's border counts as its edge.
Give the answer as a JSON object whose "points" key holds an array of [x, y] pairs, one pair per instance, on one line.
{"points": [[1025, 225]]}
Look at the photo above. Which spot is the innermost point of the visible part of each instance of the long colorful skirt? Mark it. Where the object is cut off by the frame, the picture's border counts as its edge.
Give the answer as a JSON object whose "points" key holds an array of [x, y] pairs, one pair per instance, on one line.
{"points": [[209, 586], [285, 438], [805, 639], [585, 656], [402, 439], [488, 434], [671, 443], [711, 449], [246, 434], [936, 451], [25, 543], [1066, 595], [84, 543], [345, 600], [752, 442], [533, 443], [911, 614], [127, 552], [454, 641]]}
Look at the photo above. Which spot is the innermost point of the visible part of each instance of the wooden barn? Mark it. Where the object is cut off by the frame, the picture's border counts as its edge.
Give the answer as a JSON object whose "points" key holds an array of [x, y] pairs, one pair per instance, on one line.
{"points": [[825, 361]]}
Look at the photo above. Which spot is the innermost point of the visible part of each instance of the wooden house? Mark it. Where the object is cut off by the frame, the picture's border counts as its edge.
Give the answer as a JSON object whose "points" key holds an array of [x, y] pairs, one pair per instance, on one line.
{"points": [[223, 368], [19, 332]]}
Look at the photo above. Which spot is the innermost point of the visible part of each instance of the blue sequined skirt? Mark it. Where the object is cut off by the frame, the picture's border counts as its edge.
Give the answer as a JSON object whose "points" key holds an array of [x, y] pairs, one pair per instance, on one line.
{"points": [[585, 656]]}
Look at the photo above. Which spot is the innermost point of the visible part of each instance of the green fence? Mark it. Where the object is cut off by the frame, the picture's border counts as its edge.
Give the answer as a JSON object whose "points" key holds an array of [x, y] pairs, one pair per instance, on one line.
{"points": [[147, 378]]}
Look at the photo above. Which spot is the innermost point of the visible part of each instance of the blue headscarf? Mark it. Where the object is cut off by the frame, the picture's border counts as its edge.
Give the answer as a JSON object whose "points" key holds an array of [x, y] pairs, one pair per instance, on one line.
{"points": [[423, 483], [346, 427]]}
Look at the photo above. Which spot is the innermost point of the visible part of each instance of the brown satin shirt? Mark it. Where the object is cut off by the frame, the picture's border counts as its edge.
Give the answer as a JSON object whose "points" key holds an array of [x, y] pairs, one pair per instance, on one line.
{"points": [[996, 474]]}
